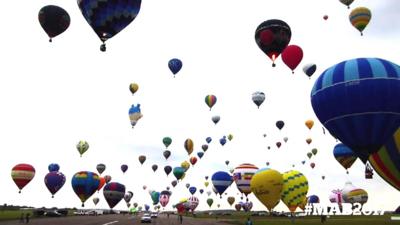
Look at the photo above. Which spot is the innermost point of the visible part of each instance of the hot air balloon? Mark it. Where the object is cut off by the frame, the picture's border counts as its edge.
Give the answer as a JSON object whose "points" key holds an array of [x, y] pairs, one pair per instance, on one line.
{"points": [[135, 114], [100, 168], [133, 87], [359, 18], [295, 188], [246, 206], [206, 183], [192, 190], [101, 184], [193, 160], [200, 154], [292, 56], [272, 37], [386, 161], [96, 200], [210, 201], [82, 147], [174, 182], [128, 196], [193, 202], [175, 65], [314, 151], [113, 193], [278, 144], [258, 98], [336, 196], [155, 196], [166, 154], [189, 146], [266, 184], [231, 200], [54, 181], [167, 141], [312, 199], [242, 176], [368, 121], [309, 124], [221, 181], [107, 178], [222, 140], [185, 165], [354, 195], [208, 140], [325, 17], [312, 165], [279, 124], [54, 20], [347, 2], [154, 167], [285, 139], [142, 159], [309, 69], [167, 170], [164, 198], [108, 18], [124, 168], [344, 155], [178, 172], [22, 174], [84, 184], [210, 101], [215, 119], [238, 207], [53, 167], [204, 147], [309, 155], [230, 137]]}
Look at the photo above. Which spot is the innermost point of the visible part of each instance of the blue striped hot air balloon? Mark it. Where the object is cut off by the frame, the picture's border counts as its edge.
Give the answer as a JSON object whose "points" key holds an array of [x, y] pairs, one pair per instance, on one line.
{"points": [[357, 101], [221, 181]]}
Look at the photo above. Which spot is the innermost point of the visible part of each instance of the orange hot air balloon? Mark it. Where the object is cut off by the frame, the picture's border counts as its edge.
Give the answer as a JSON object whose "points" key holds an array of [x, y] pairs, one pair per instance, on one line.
{"points": [[309, 124], [22, 174], [193, 160], [101, 184]]}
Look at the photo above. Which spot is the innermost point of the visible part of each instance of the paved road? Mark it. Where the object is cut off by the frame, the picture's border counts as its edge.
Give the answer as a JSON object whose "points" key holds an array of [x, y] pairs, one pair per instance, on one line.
{"points": [[115, 220]]}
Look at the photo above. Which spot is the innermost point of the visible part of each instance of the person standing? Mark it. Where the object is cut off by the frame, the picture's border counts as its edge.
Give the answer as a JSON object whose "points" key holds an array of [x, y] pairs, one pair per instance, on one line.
{"points": [[28, 215], [21, 218], [249, 222]]}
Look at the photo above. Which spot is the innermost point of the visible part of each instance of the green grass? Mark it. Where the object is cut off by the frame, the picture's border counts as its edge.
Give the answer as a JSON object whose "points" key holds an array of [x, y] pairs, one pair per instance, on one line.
{"points": [[333, 220], [13, 214]]}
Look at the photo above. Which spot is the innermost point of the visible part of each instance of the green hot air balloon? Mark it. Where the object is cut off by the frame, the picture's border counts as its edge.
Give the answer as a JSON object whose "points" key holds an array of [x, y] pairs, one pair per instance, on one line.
{"points": [[167, 141], [82, 147]]}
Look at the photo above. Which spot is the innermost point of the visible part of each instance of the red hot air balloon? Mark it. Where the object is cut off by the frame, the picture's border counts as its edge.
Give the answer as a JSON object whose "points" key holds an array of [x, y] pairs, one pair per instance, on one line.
{"points": [[292, 56], [22, 174], [193, 160]]}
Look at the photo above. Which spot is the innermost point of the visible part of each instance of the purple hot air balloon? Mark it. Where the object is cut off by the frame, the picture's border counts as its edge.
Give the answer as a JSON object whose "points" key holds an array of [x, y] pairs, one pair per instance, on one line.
{"points": [[124, 168], [54, 181]]}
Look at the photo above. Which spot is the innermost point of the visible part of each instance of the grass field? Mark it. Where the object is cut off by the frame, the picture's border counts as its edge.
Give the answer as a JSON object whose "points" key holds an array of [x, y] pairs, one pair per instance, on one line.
{"points": [[12, 214]]}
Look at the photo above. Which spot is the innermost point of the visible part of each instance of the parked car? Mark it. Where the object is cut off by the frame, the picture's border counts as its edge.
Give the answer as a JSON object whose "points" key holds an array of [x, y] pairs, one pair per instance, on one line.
{"points": [[52, 214], [146, 218], [154, 215]]}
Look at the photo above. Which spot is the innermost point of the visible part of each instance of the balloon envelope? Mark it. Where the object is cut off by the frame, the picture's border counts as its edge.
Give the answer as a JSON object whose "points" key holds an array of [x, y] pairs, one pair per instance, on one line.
{"points": [[100, 168], [221, 181], [53, 167], [359, 18], [22, 174], [175, 65], [113, 193], [354, 101], [267, 185], [295, 188], [84, 184], [54, 181], [292, 56], [242, 176], [54, 20]]}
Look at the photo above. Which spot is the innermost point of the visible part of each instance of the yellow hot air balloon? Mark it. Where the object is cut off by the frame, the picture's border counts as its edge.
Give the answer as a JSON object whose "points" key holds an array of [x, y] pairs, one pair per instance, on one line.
{"points": [[309, 124], [295, 188], [189, 146], [303, 204], [206, 183], [267, 184], [359, 18], [185, 165], [133, 87]]}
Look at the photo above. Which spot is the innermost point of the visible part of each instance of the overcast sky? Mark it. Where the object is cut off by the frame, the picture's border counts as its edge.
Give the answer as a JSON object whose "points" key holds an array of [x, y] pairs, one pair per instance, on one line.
{"points": [[55, 94]]}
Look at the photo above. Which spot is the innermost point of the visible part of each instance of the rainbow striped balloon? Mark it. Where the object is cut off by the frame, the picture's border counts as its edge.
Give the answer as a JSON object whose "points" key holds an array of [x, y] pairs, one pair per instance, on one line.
{"points": [[295, 188], [210, 100], [359, 18], [386, 161], [344, 155]]}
